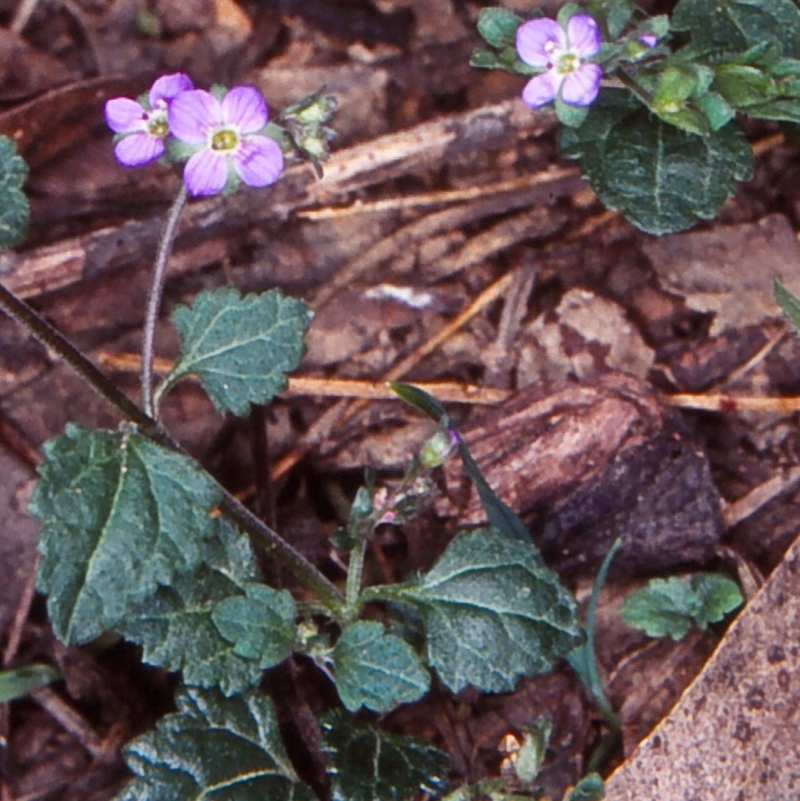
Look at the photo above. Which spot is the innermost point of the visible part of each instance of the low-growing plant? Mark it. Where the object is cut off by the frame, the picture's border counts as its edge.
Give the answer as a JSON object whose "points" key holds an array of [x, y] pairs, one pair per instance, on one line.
{"points": [[650, 104], [139, 539]]}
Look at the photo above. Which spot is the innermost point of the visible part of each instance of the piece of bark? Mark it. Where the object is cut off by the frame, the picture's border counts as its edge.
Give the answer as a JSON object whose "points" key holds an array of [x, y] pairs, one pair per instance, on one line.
{"points": [[735, 734], [583, 465]]}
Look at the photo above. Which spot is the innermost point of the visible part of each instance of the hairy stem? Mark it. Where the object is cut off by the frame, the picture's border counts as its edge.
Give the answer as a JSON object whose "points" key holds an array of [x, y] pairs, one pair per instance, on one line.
{"points": [[154, 297], [355, 570], [267, 538]]}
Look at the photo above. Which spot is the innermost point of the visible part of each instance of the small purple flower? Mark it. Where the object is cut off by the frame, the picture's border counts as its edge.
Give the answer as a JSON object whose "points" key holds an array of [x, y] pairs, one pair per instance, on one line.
{"points": [[560, 53], [648, 39], [143, 125], [228, 135]]}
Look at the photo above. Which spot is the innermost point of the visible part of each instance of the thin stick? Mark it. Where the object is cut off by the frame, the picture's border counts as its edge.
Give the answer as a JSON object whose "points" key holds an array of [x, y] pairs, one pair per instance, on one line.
{"points": [[154, 298], [269, 539]]}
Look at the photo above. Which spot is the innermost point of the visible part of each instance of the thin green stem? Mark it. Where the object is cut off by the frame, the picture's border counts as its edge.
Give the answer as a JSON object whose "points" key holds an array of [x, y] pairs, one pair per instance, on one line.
{"points": [[154, 297], [270, 540], [355, 571]]}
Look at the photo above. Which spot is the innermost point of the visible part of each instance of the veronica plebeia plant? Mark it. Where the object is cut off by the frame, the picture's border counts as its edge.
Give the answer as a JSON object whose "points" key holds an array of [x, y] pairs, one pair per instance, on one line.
{"points": [[651, 104], [138, 539]]}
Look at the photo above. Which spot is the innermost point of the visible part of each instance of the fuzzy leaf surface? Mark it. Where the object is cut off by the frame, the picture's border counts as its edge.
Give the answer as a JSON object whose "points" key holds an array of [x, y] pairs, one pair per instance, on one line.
{"points": [[241, 348], [377, 670], [661, 178], [670, 607], [259, 624], [368, 764], [736, 25], [14, 208], [175, 625], [492, 612], [121, 516], [213, 749]]}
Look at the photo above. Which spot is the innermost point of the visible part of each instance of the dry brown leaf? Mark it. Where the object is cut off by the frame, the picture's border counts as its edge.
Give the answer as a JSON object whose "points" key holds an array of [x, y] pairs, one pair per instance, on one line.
{"points": [[735, 733]]}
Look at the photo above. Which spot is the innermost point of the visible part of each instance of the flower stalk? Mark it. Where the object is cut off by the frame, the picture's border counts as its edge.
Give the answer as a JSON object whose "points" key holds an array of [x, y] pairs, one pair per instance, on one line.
{"points": [[154, 299]]}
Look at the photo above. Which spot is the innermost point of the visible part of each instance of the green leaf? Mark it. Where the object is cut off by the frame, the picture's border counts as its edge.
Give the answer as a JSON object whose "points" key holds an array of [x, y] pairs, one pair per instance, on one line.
{"points": [[260, 624], [241, 348], [175, 625], [213, 748], [498, 27], [377, 670], [716, 596], [571, 116], [616, 13], [662, 179], [370, 765], [788, 302], [670, 607], [589, 788], [736, 25], [18, 682], [14, 210], [121, 516], [492, 612]]}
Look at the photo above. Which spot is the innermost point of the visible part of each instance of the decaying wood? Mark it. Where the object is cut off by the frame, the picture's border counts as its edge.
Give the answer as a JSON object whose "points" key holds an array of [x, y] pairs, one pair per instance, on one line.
{"points": [[585, 464], [215, 220]]}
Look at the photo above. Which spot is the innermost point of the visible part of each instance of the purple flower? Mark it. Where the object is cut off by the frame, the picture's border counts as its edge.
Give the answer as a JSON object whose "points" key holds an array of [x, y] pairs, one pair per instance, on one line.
{"points": [[228, 137], [648, 39], [560, 53], [143, 125]]}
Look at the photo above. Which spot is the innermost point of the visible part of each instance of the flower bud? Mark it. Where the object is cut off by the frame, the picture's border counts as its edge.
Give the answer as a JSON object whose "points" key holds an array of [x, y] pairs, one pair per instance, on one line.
{"points": [[438, 449]]}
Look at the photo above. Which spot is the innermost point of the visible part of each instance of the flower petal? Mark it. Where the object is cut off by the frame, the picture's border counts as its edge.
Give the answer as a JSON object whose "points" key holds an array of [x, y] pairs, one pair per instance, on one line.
{"points": [[124, 115], [580, 88], [192, 113], [259, 160], [245, 107], [541, 89], [138, 149], [168, 86], [583, 36], [206, 173], [538, 39]]}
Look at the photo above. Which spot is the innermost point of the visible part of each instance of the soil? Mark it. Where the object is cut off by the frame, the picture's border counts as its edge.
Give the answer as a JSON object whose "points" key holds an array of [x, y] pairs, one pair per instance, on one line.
{"points": [[609, 383]]}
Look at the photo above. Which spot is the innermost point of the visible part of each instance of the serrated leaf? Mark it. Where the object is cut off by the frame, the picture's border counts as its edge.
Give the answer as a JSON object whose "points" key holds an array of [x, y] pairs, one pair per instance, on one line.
{"points": [[14, 209], [260, 624], [492, 612], [670, 607], [736, 25], [175, 627], [370, 765], [213, 749], [715, 596], [788, 302], [661, 178], [121, 516], [240, 348], [18, 682], [377, 670]]}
